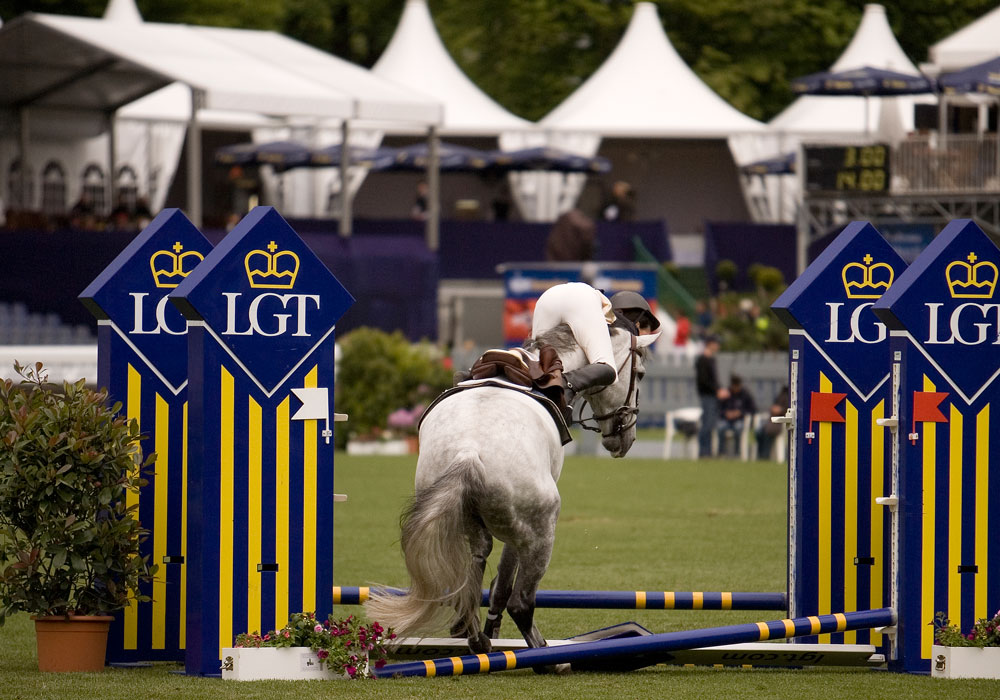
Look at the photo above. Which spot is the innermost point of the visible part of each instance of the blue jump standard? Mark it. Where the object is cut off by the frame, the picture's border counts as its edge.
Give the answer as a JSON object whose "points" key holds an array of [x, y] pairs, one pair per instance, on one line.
{"points": [[623, 600], [651, 647]]}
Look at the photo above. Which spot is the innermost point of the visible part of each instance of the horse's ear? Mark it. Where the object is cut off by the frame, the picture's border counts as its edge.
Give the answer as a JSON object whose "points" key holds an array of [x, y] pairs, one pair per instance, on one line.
{"points": [[642, 341]]}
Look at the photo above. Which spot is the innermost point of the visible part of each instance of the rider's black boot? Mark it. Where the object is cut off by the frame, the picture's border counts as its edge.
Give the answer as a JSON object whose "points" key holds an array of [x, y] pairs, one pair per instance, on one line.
{"points": [[590, 376]]}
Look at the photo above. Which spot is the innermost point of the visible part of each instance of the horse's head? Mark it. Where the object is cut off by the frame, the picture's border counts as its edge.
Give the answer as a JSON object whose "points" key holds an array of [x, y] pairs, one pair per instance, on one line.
{"points": [[616, 407]]}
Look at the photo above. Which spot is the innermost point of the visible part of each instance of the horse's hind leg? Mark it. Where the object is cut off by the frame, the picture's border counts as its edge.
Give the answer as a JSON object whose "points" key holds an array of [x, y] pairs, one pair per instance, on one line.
{"points": [[481, 542], [533, 560], [500, 591]]}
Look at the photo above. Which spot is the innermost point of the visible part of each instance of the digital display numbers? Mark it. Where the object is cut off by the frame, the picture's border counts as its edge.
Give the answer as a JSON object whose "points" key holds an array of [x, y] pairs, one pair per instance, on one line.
{"points": [[847, 169]]}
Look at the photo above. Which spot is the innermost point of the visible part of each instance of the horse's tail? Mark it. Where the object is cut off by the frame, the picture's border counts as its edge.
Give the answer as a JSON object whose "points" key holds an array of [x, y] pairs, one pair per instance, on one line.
{"points": [[437, 554]]}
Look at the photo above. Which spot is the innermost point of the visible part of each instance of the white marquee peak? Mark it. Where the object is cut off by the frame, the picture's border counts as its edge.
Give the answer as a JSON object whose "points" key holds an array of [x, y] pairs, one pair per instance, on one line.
{"points": [[122, 11]]}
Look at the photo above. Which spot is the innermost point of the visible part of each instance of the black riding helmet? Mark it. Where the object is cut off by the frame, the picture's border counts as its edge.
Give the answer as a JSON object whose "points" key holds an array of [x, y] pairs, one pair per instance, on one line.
{"points": [[635, 308]]}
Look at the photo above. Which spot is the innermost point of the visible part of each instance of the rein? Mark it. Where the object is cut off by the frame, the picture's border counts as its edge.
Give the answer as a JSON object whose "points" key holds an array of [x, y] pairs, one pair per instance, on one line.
{"points": [[625, 416]]}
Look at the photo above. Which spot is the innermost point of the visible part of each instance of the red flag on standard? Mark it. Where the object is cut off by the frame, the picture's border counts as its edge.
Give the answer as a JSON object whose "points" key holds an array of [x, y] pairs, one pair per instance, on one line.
{"points": [[823, 407], [925, 407]]}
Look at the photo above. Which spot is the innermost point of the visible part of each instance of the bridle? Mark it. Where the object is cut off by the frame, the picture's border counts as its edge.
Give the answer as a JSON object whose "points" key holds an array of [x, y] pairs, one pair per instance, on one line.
{"points": [[625, 416]]}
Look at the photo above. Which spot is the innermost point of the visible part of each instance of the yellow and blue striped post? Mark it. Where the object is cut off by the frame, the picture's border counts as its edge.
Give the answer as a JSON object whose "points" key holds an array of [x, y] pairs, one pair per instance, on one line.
{"points": [[613, 600], [261, 311], [839, 389], [142, 361], [642, 650], [944, 319]]}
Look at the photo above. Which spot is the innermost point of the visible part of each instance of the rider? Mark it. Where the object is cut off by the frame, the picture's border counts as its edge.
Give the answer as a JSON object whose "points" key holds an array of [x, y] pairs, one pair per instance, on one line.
{"points": [[589, 313]]}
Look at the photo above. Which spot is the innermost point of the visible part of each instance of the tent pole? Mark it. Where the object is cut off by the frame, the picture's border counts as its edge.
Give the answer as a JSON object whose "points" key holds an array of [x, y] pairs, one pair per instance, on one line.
{"points": [[345, 189], [112, 159], [24, 134], [194, 160], [432, 226]]}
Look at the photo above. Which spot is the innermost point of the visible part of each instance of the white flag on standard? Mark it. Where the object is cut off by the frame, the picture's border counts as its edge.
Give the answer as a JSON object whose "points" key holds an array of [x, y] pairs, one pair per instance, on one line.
{"points": [[315, 406]]}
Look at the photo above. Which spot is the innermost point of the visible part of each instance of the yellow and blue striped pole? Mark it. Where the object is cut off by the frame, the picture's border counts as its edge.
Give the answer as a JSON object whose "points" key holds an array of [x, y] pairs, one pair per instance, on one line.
{"points": [[642, 649], [613, 600]]}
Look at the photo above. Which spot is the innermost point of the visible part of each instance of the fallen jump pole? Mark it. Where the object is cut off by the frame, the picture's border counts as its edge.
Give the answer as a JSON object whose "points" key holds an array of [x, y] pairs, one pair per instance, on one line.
{"points": [[622, 600], [653, 646]]}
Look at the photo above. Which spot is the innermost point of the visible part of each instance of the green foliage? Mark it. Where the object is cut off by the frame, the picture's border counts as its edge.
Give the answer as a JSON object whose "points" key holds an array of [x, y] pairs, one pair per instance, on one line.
{"points": [[69, 539], [725, 271], [984, 633], [345, 646], [379, 373], [746, 322]]}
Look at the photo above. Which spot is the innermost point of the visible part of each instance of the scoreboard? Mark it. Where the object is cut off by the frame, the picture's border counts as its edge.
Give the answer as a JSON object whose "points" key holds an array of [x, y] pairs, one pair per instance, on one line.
{"points": [[847, 169]]}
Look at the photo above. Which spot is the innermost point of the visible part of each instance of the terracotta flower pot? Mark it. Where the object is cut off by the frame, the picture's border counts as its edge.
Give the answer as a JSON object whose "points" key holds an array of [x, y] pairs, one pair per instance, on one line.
{"points": [[72, 642]]}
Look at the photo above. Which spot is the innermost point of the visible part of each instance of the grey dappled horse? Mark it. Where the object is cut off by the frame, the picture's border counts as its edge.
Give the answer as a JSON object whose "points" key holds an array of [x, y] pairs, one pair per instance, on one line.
{"points": [[488, 465]]}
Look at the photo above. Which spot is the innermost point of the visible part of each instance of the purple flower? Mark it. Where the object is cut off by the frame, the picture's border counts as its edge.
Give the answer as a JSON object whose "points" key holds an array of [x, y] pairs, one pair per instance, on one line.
{"points": [[351, 670], [322, 653]]}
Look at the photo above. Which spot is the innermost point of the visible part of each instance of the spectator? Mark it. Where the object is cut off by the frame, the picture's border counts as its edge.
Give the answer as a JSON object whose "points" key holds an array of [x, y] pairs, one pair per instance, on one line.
{"points": [[734, 411], [709, 394], [621, 205], [767, 433], [572, 238], [420, 205]]}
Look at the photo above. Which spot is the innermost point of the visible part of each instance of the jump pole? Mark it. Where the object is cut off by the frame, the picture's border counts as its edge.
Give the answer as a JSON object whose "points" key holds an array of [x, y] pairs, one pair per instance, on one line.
{"points": [[613, 600], [653, 645]]}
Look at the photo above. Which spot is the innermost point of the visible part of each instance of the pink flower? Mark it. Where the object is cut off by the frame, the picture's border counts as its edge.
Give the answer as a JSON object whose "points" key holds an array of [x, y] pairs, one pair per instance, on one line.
{"points": [[380, 663], [322, 653], [351, 671], [287, 634], [318, 628]]}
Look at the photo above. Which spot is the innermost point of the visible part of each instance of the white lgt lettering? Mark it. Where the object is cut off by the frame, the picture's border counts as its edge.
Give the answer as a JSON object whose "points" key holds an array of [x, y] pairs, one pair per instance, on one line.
{"points": [[138, 316], [960, 320], [854, 325], [299, 305]]}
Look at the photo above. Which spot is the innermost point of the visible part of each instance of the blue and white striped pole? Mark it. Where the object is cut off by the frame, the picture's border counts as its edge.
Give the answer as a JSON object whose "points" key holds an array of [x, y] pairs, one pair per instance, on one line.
{"points": [[637, 646]]}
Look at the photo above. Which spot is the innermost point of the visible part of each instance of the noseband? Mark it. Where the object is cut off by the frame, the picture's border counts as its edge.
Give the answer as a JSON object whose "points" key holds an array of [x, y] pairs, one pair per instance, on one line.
{"points": [[625, 416]]}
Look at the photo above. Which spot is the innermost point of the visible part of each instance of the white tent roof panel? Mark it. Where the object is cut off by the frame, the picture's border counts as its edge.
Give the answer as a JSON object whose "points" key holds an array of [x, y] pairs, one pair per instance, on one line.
{"points": [[417, 57], [972, 44], [382, 99], [644, 89], [231, 78]]}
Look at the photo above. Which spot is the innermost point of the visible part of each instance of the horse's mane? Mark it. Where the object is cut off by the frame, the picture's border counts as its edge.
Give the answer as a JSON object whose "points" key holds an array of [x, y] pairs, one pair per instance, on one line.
{"points": [[561, 339]]}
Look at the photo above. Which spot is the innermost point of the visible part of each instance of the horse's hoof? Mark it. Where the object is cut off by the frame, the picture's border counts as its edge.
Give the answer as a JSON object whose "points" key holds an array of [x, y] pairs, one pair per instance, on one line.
{"points": [[480, 644], [557, 669]]}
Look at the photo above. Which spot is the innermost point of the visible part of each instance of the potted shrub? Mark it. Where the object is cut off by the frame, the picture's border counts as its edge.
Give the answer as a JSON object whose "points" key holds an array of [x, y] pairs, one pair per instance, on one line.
{"points": [[306, 648], [975, 654], [69, 537]]}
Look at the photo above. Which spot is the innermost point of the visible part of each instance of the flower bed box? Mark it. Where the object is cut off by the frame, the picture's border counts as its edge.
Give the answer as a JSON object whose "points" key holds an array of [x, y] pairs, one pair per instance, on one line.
{"points": [[273, 663], [965, 662], [382, 447]]}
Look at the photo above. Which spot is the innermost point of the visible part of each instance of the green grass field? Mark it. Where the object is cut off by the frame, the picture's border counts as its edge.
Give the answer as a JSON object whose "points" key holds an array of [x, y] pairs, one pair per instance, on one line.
{"points": [[632, 524]]}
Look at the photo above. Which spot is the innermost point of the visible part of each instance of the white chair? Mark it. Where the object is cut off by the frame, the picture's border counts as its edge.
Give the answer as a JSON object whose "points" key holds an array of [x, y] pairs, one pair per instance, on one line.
{"points": [[692, 415]]}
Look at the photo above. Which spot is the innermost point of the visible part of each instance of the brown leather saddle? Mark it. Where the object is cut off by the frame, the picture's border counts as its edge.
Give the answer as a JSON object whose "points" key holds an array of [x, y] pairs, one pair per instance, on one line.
{"points": [[519, 370]]}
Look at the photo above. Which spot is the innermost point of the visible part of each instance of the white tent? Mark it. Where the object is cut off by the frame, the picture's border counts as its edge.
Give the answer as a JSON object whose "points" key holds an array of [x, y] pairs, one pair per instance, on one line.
{"points": [[90, 66], [873, 44], [972, 44], [416, 57], [824, 118], [664, 130]]}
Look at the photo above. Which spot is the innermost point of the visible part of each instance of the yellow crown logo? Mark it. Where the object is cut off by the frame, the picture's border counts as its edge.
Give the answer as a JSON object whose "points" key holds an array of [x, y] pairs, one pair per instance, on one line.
{"points": [[867, 281], [971, 280], [271, 270], [170, 267]]}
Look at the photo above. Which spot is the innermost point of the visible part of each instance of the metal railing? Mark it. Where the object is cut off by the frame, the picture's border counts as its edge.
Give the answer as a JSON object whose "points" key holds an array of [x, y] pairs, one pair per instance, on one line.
{"points": [[928, 164]]}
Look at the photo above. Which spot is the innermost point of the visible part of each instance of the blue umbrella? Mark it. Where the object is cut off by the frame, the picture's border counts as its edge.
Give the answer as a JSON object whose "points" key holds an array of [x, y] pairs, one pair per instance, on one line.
{"points": [[983, 78], [778, 165], [451, 158], [372, 158], [549, 159], [863, 82], [280, 154]]}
